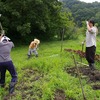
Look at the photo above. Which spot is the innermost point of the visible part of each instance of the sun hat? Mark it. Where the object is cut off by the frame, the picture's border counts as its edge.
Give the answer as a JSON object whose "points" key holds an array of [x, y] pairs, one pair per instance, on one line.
{"points": [[5, 39], [37, 41]]}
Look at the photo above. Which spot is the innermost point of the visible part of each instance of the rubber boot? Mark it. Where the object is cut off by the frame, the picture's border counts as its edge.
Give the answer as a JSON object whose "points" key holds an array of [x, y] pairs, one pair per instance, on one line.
{"points": [[12, 87], [28, 56], [36, 55], [92, 66]]}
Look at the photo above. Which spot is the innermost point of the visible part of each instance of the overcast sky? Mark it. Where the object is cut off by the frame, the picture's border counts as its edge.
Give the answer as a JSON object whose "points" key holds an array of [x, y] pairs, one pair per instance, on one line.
{"points": [[90, 0]]}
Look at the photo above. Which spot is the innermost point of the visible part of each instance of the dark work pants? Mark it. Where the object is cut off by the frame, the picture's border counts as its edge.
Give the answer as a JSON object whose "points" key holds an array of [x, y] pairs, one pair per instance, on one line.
{"points": [[10, 67], [90, 54]]}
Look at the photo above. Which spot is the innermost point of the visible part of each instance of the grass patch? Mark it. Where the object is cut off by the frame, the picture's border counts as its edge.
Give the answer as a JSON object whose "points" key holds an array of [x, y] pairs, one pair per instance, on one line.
{"points": [[40, 78]]}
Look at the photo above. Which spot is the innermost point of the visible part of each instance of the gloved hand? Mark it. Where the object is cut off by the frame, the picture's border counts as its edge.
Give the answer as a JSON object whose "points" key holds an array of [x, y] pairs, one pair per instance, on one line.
{"points": [[87, 22], [82, 43]]}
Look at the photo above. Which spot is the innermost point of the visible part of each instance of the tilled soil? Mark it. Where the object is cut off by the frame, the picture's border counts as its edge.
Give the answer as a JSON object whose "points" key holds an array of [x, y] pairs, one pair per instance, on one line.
{"points": [[60, 95], [85, 72], [25, 86]]}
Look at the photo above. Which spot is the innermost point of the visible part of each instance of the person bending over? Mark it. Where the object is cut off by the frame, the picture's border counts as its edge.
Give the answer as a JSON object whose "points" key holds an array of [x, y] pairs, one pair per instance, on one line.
{"points": [[33, 48]]}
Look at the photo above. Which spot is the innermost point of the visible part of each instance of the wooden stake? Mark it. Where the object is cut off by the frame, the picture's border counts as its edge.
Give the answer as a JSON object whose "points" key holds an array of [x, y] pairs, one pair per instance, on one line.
{"points": [[62, 39]]}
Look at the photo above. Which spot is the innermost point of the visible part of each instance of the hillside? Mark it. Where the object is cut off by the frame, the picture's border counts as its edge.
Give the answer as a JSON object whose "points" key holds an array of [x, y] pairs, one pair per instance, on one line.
{"points": [[82, 11]]}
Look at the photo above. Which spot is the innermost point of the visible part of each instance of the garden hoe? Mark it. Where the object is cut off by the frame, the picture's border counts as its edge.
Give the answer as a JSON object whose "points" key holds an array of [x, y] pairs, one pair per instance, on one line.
{"points": [[81, 57]]}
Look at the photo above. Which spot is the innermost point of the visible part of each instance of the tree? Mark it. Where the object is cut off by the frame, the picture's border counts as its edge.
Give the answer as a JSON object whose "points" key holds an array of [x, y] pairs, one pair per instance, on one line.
{"points": [[29, 17], [82, 11]]}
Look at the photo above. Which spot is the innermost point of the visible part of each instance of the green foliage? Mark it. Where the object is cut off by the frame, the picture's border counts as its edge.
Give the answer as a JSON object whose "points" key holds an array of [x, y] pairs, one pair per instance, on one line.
{"points": [[42, 19], [24, 29], [82, 11], [39, 78], [68, 27]]}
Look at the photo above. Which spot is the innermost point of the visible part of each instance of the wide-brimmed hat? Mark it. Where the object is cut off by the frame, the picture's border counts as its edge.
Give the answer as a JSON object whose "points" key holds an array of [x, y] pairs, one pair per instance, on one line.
{"points": [[37, 41]]}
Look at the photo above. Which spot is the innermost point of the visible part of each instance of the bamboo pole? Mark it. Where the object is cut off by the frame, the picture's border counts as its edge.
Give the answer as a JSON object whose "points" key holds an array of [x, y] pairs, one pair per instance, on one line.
{"points": [[84, 98]]}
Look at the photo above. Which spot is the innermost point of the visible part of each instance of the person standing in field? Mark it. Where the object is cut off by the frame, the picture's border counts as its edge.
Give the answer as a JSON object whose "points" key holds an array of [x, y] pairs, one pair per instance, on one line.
{"points": [[33, 48], [91, 43], [6, 63]]}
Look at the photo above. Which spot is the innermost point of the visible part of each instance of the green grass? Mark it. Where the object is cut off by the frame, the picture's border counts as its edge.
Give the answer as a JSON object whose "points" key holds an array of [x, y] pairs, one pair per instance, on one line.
{"points": [[48, 68]]}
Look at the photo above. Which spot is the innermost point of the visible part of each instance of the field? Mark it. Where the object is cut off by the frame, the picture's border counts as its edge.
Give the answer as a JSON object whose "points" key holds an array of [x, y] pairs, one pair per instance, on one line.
{"points": [[51, 76]]}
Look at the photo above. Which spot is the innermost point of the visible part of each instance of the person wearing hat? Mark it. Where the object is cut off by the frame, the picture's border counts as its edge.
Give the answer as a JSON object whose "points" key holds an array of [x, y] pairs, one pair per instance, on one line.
{"points": [[6, 63], [33, 48], [91, 43], [4, 39]]}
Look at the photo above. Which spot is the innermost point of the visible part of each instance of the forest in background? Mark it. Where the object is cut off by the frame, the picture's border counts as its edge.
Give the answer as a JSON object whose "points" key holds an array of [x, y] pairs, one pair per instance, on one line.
{"points": [[82, 11], [46, 20]]}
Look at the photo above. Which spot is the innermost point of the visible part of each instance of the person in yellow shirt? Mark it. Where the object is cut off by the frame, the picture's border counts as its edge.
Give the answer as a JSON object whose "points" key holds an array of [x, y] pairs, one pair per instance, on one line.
{"points": [[33, 48]]}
